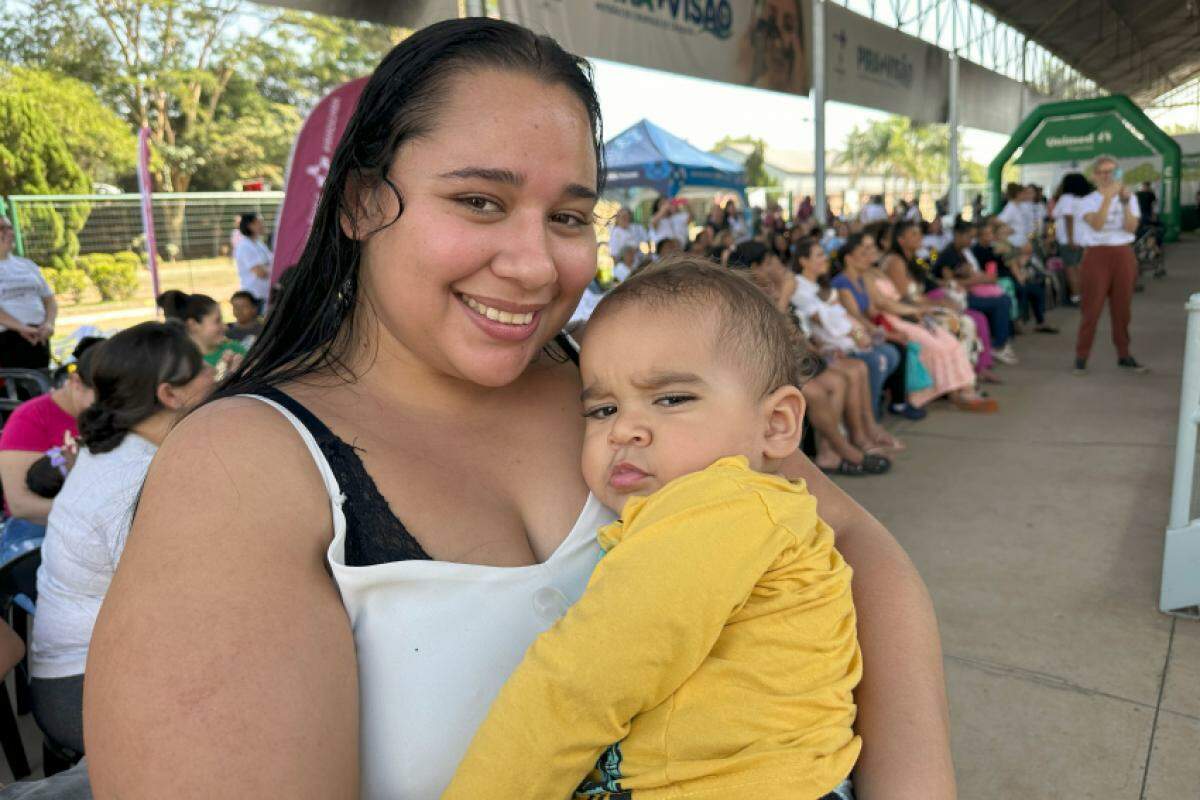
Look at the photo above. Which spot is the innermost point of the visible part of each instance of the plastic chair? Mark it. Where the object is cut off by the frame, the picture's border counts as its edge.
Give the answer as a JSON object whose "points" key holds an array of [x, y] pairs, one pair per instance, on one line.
{"points": [[18, 385], [18, 589]]}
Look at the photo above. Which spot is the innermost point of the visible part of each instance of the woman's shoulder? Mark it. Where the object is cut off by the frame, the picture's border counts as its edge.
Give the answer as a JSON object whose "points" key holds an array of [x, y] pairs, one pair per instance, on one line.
{"points": [[244, 434]]}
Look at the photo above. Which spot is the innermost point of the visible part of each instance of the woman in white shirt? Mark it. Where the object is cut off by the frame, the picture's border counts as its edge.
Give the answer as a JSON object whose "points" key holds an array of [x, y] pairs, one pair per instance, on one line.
{"points": [[145, 378], [1067, 227], [253, 259], [365, 623], [1109, 269], [625, 233]]}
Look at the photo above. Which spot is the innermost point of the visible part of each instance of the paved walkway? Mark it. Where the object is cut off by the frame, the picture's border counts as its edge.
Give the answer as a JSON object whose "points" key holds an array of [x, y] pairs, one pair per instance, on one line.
{"points": [[1040, 534]]}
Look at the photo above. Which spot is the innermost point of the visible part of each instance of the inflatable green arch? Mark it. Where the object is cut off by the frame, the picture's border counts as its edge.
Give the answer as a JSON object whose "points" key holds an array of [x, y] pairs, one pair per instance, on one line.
{"points": [[1100, 108]]}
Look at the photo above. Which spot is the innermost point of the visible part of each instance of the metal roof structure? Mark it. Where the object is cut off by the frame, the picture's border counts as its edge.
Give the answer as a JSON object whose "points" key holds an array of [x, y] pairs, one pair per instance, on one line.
{"points": [[1141, 48]]}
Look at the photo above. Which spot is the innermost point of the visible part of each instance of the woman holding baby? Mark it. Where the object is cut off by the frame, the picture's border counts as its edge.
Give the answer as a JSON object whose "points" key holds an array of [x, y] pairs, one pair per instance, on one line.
{"points": [[383, 506]]}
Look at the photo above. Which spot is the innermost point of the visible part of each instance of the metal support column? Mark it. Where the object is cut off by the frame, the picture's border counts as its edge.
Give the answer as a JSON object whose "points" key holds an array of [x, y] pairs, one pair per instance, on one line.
{"points": [[953, 205], [820, 209]]}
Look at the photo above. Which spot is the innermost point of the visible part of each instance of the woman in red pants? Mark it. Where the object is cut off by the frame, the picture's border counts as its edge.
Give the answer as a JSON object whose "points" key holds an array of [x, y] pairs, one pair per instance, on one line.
{"points": [[1109, 269]]}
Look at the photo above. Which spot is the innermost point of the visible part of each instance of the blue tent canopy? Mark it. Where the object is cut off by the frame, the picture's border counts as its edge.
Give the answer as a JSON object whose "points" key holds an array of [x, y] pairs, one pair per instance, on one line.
{"points": [[645, 155]]}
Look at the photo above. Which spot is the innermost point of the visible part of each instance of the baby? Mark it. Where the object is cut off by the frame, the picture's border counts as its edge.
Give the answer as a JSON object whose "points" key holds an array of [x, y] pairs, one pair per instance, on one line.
{"points": [[713, 654]]}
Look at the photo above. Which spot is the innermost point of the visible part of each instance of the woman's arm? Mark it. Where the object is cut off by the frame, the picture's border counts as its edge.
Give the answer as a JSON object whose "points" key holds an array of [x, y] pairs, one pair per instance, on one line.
{"points": [[851, 306], [903, 715], [222, 663], [897, 272], [22, 503]]}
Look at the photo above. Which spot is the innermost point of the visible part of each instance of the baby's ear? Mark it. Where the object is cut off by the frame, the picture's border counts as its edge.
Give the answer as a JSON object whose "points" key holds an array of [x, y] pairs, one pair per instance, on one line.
{"points": [[783, 417]]}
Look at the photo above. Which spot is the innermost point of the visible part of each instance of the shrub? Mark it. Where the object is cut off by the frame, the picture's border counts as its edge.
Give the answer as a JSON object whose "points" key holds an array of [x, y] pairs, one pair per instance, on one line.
{"points": [[128, 257], [68, 281], [115, 280]]}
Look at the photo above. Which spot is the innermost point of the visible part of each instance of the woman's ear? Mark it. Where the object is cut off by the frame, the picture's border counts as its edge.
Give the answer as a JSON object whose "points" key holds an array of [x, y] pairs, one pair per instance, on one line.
{"points": [[367, 205], [783, 418], [169, 397]]}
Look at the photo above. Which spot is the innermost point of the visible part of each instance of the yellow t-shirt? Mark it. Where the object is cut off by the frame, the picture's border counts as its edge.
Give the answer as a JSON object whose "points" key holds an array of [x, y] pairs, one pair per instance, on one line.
{"points": [[713, 656]]}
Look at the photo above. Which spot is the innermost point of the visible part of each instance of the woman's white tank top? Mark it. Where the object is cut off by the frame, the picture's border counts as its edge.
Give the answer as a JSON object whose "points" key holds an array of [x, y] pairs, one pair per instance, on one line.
{"points": [[435, 641]]}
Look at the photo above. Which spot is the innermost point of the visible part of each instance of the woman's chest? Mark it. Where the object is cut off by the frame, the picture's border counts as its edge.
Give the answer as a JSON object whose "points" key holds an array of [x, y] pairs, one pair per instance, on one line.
{"points": [[477, 491]]}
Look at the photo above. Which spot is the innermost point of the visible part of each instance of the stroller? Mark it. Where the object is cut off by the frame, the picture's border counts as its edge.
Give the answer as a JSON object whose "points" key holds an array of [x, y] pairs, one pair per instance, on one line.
{"points": [[1150, 254]]}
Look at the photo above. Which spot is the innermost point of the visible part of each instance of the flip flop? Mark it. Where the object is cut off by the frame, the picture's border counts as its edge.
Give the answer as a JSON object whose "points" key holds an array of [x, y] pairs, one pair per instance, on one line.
{"points": [[1046, 329], [847, 468]]}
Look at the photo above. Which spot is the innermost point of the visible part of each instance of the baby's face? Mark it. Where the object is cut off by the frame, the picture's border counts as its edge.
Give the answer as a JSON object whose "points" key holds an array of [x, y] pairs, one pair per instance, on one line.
{"points": [[661, 401]]}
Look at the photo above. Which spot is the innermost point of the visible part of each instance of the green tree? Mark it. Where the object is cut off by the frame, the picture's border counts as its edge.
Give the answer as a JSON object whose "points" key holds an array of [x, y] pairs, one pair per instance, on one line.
{"points": [[99, 140], [34, 159], [221, 84], [755, 165]]}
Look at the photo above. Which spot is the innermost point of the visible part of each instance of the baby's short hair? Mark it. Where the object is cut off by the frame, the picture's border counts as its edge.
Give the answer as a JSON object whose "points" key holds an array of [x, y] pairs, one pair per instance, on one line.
{"points": [[751, 331]]}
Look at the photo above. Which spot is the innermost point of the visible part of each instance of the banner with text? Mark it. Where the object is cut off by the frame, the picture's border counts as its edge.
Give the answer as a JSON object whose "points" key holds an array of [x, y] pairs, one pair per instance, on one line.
{"points": [[759, 43], [873, 65]]}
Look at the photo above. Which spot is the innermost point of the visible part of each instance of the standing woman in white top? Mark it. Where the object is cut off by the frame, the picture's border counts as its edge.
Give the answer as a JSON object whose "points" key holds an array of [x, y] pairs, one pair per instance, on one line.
{"points": [[253, 259], [1109, 269], [1067, 230], [145, 378], [319, 636]]}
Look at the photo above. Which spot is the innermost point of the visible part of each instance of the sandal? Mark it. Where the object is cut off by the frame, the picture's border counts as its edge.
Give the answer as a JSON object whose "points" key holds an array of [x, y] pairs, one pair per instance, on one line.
{"points": [[847, 468], [876, 465], [1044, 328], [980, 405]]}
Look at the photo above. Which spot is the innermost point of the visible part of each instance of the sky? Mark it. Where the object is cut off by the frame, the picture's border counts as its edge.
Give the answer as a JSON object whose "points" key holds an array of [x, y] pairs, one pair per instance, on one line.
{"points": [[703, 111]]}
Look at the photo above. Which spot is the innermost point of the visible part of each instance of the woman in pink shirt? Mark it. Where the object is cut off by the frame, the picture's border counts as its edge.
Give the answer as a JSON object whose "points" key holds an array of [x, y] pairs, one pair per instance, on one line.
{"points": [[38, 425]]}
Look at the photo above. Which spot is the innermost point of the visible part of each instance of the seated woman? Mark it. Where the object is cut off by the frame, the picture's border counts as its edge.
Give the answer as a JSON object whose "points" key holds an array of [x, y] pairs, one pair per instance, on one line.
{"points": [[914, 278], [200, 316], [975, 268], [1016, 272], [869, 294], [146, 377], [845, 345], [40, 424]]}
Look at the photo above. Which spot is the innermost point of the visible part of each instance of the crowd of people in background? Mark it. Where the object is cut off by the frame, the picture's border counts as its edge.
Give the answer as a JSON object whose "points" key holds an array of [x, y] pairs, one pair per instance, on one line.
{"points": [[899, 311]]}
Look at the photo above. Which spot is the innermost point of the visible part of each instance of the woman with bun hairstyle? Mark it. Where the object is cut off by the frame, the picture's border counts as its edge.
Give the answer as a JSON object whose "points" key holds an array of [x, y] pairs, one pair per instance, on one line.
{"points": [[145, 378], [200, 316]]}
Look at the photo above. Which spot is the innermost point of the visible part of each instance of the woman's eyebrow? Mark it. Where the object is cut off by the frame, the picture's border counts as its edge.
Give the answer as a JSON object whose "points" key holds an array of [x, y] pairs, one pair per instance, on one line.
{"points": [[515, 179]]}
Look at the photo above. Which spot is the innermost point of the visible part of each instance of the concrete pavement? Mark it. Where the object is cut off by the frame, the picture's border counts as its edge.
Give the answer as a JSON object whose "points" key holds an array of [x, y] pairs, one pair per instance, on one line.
{"points": [[1039, 531]]}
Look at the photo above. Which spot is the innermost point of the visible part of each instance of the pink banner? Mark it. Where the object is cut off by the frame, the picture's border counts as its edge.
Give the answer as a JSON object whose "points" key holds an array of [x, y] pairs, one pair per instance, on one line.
{"points": [[146, 187], [307, 170]]}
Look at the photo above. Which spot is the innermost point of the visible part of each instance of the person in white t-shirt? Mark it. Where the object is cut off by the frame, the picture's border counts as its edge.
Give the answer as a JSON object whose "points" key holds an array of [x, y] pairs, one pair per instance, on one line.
{"points": [[1068, 227], [671, 219], [873, 211], [1018, 214], [27, 308], [146, 377], [625, 233], [1109, 269], [253, 259]]}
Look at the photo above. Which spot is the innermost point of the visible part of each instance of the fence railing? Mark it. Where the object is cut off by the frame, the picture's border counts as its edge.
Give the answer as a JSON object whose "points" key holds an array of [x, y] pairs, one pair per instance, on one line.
{"points": [[186, 225], [1181, 553]]}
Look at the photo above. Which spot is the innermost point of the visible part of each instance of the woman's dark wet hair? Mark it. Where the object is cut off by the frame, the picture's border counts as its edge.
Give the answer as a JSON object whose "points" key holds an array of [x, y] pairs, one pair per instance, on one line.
{"points": [[311, 327], [126, 373]]}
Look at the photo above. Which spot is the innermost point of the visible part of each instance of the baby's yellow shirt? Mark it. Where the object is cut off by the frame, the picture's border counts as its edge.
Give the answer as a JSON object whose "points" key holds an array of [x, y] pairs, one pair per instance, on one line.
{"points": [[713, 655]]}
